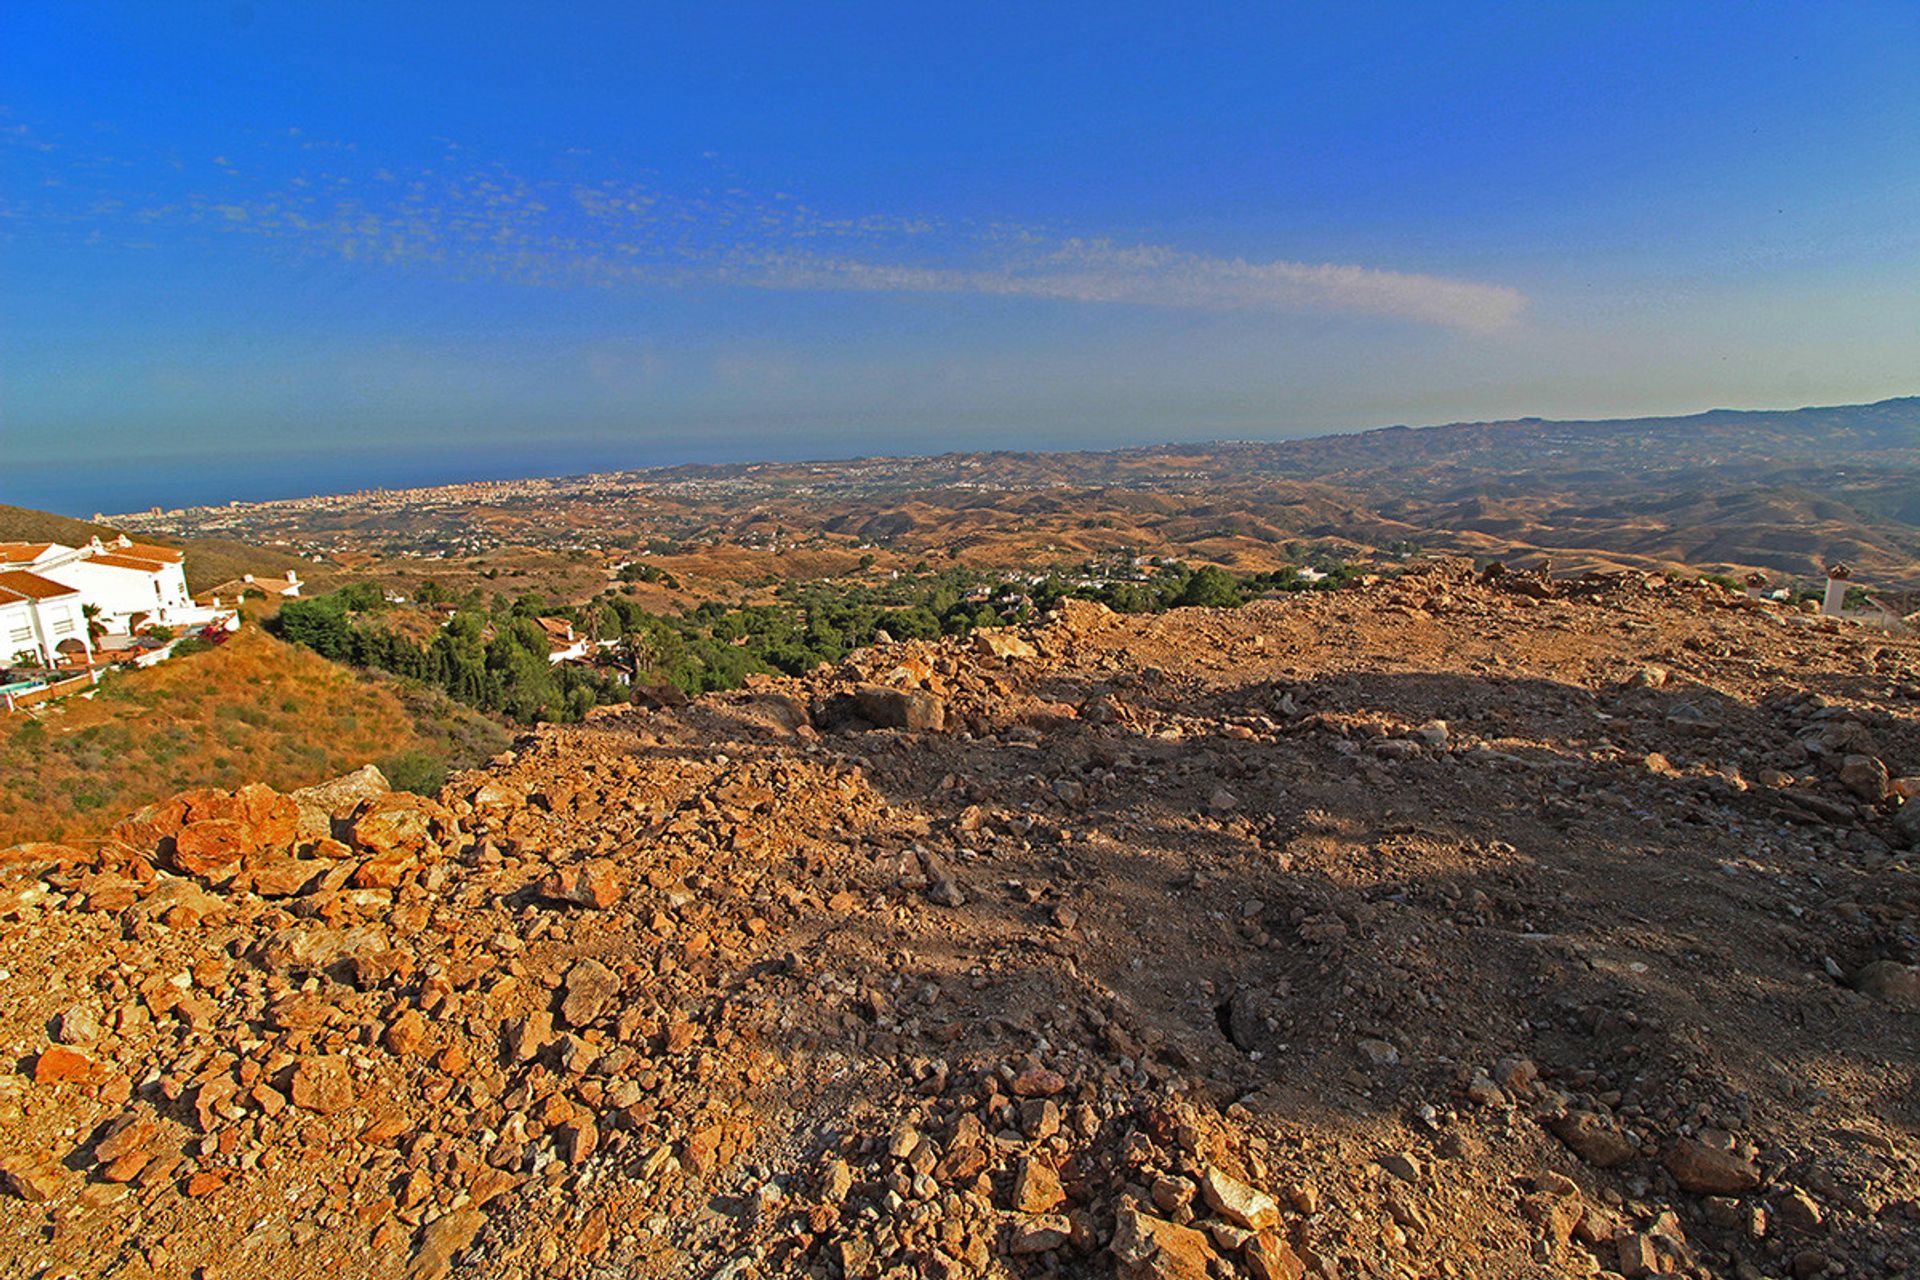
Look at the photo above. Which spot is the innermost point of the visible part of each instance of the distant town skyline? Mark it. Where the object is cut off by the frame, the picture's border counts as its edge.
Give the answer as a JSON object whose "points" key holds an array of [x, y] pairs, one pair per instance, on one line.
{"points": [[261, 250]]}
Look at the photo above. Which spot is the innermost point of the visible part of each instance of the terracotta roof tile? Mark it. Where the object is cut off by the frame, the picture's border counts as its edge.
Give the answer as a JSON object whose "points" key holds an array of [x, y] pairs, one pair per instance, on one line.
{"points": [[147, 551], [33, 586], [123, 560]]}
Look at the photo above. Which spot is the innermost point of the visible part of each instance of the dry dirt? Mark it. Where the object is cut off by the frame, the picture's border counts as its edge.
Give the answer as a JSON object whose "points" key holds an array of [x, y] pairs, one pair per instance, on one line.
{"points": [[1449, 927]]}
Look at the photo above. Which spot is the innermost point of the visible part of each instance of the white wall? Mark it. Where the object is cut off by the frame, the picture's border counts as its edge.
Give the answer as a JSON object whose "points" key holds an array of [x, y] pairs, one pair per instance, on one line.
{"points": [[17, 630], [45, 624], [120, 593]]}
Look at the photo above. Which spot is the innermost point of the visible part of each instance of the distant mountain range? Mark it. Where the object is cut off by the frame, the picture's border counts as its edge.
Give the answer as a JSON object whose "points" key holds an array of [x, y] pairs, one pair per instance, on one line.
{"points": [[1782, 490], [1786, 492]]}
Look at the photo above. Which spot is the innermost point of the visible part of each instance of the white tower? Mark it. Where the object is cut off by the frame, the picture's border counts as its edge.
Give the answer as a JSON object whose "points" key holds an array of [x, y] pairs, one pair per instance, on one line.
{"points": [[1837, 578]]}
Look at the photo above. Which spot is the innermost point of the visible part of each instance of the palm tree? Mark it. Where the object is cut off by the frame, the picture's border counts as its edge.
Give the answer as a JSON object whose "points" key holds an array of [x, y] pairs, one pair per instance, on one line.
{"points": [[96, 627]]}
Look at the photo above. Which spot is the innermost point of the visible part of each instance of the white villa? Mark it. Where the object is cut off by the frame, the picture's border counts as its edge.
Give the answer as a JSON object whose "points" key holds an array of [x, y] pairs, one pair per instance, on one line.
{"points": [[562, 644], [129, 585], [236, 589], [40, 620]]}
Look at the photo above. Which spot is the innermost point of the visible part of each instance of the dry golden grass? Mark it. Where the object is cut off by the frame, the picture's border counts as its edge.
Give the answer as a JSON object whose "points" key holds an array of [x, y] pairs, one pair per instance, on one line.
{"points": [[254, 709]]}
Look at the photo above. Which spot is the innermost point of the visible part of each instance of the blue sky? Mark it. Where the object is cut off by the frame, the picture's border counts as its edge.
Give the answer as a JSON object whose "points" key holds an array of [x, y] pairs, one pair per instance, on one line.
{"points": [[260, 248]]}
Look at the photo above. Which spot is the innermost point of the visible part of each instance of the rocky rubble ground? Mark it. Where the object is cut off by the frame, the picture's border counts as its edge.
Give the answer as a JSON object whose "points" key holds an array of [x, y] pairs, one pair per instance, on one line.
{"points": [[1456, 926]]}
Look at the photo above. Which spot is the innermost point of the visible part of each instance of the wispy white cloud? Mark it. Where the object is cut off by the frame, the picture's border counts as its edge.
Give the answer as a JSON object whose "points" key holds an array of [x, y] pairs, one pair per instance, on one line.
{"points": [[1099, 271], [478, 221]]}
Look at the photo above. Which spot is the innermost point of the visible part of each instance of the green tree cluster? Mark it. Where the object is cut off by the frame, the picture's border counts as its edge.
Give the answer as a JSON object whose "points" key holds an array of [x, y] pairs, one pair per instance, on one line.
{"points": [[505, 672], [493, 655]]}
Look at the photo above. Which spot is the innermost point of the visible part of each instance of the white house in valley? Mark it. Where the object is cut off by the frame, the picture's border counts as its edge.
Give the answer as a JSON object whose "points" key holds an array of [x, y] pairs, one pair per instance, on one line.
{"points": [[562, 644], [131, 584], [40, 621], [236, 589]]}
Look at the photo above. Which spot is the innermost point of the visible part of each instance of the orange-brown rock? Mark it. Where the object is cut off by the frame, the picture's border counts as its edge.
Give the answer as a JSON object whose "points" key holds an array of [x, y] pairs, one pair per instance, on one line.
{"points": [[406, 1033], [1150, 1248], [32, 1177], [322, 1084], [283, 877], [132, 1132], [1036, 1187], [401, 823], [1038, 1082], [211, 845], [385, 872], [596, 884], [1269, 1257], [442, 1240], [273, 819], [39, 851], [1711, 1170], [1237, 1202], [61, 1065]]}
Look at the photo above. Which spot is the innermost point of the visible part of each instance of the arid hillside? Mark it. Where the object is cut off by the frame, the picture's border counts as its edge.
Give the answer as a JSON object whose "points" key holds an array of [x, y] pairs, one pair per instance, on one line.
{"points": [[254, 709], [1459, 926]]}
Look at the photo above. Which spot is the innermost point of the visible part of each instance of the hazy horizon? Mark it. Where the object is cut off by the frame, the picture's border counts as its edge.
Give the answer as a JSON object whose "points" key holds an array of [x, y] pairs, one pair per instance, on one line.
{"points": [[143, 483], [368, 244]]}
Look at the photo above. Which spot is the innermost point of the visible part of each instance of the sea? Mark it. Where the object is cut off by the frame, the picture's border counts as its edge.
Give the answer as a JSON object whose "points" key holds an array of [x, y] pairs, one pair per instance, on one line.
{"points": [[107, 485]]}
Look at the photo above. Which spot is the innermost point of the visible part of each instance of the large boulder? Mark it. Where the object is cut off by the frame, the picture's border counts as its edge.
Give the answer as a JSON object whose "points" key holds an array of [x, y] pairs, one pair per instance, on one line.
{"points": [[212, 847], [1709, 1170], [1237, 1202], [493, 797], [442, 1240], [660, 697], [880, 706], [273, 818], [1865, 776], [150, 828], [911, 709], [179, 901], [1004, 645], [1594, 1138], [303, 949], [209, 832], [399, 824], [323, 803]]}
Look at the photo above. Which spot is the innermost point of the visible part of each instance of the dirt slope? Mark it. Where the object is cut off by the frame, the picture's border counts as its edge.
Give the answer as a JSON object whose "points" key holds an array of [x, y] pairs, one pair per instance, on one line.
{"points": [[253, 709], [1453, 927]]}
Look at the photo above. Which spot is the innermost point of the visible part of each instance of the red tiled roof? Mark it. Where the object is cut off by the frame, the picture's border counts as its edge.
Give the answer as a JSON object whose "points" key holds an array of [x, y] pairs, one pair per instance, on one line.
{"points": [[22, 552], [121, 560], [147, 551], [32, 586]]}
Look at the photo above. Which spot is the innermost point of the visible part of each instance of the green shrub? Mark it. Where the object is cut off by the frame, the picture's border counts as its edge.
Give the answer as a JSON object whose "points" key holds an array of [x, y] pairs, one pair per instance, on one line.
{"points": [[1210, 588], [417, 770]]}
